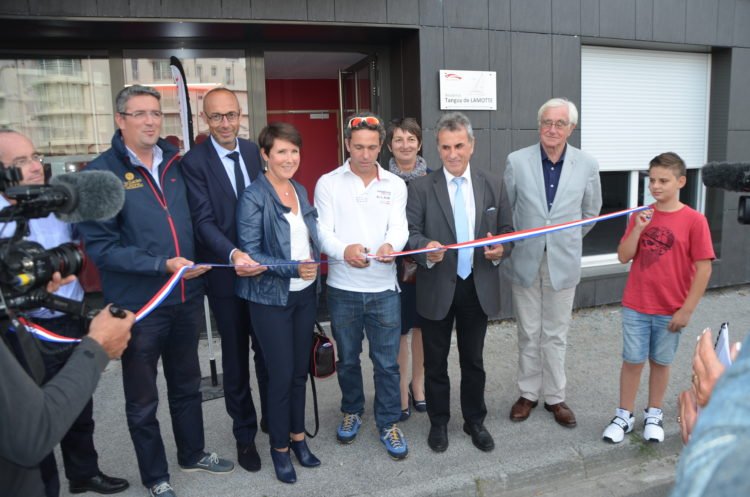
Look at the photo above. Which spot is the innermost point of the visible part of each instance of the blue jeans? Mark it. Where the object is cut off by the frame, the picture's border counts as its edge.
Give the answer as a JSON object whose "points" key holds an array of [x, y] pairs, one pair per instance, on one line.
{"points": [[646, 336], [379, 315]]}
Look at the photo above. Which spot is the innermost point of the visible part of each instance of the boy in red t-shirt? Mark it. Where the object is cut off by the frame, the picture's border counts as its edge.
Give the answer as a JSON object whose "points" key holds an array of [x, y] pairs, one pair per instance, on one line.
{"points": [[670, 246]]}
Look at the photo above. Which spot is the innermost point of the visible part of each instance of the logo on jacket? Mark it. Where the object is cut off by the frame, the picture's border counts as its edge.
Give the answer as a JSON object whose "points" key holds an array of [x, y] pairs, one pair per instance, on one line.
{"points": [[131, 182]]}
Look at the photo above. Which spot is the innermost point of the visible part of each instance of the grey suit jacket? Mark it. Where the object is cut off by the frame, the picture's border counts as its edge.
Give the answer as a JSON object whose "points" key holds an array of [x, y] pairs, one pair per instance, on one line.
{"points": [[578, 196], [430, 216]]}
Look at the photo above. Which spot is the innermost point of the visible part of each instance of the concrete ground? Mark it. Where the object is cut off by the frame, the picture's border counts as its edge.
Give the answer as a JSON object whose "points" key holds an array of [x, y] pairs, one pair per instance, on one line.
{"points": [[529, 456]]}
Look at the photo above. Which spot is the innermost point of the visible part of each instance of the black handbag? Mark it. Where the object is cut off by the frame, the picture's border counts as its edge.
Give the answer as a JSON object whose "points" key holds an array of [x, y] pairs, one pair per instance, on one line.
{"points": [[322, 365]]}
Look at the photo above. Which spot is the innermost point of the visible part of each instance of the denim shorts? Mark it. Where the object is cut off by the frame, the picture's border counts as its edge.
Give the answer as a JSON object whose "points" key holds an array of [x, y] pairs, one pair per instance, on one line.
{"points": [[646, 336]]}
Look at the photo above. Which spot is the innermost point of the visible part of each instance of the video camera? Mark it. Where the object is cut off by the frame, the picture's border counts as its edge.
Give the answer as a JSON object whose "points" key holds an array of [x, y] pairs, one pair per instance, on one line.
{"points": [[26, 267], [734, 177]]}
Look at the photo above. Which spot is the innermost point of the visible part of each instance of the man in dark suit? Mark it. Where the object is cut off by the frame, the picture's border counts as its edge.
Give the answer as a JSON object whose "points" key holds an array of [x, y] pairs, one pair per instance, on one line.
{"points": [[457, 203], [216, 172]]}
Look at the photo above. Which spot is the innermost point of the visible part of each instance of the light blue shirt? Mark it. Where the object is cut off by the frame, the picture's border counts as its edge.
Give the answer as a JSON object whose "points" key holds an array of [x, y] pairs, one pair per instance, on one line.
{"points": [[154, 169]]}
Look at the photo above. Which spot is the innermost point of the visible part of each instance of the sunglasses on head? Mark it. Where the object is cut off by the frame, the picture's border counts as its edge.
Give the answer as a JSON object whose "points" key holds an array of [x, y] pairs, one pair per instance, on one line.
{"points": [[358, 122]]}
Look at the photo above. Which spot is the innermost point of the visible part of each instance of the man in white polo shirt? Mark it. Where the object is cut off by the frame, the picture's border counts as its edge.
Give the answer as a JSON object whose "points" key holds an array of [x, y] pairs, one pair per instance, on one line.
{"points": [[361, 209]]}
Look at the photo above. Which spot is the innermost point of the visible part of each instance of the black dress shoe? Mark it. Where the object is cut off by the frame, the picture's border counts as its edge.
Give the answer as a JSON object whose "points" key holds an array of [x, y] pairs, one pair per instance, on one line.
{"points": [[438, 438], [304, 456], [282, 464], [248, 458], [101, 484], [480, 437]]}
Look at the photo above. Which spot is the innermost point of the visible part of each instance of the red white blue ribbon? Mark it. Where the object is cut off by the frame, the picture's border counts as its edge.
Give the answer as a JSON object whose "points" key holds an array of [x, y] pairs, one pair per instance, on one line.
{"points": [[164, 292]]}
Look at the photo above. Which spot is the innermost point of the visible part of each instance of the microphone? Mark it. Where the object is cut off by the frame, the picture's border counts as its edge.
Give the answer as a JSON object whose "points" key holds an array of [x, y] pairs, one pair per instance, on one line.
{"points": [[732, 176], [95, 196]]}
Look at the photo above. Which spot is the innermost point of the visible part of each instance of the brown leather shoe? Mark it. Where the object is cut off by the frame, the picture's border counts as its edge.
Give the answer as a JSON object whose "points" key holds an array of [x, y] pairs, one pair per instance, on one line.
{"points": [[563, 414], [522, 408]]}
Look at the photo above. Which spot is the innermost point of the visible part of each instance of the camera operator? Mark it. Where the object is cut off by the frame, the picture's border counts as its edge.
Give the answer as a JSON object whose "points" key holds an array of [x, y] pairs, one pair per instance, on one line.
{"points": [[79, 455]]}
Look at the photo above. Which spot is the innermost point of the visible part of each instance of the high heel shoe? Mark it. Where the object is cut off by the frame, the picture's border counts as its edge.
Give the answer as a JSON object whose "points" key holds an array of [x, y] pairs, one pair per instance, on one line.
{"points": [[405, 413], [282, 463], [419, 405], [304, 456]]}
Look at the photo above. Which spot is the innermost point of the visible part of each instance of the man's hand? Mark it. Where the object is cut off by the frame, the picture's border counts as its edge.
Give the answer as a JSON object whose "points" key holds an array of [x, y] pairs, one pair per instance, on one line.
{"points": [[679, 320], [57, 281], [437, 255], [356, 255], [175, 263], [383, 252], [687, 408], [110, 332], [493, 252], [308, 270], [706, 368], [244, 265]]}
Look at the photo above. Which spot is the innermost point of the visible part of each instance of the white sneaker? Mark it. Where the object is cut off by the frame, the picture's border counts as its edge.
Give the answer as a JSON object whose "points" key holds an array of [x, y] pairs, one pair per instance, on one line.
{"points": [[621, 424], [653, 430]]}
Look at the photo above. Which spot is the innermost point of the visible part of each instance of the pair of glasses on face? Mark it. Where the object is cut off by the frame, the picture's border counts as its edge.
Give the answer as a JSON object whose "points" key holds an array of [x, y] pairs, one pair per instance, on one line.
{"points": [[140, 115], [548, 123], [26, 161], [217, 117], [363, 122]]}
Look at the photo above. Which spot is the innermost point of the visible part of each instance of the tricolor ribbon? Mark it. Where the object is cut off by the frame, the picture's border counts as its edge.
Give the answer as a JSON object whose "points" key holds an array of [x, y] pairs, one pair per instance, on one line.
{"points": [[164, 292]]}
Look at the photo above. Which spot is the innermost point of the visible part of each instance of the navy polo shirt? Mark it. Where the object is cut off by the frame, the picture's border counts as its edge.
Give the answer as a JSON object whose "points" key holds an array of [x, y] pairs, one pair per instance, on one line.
{"points": [[552, 171]]}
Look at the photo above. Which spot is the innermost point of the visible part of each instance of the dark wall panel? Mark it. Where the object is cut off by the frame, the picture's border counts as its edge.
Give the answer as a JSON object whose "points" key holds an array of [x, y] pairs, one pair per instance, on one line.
{"points": [[145, 8], [469, 49], [566, 17], [501, 147], [114, 9], [466, 13], [500, 14], [521, 138], [403, 11], [590, 17], [432, 60], [644, 19], [742, 23], [321, 10], [14, 7], [531, 66], [617, 19], [500, 63], [739, 105], [725, 24], [60, 8], [481, 157], [534, 16], [273, 9], [373, 11], [190, 9], [701, 18], [431, 12], [669, 21], [566, 68]]}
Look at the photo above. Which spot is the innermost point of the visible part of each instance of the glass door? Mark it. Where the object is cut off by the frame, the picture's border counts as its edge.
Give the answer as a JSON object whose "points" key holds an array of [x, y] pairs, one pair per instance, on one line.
{"points": [[359, 91]]}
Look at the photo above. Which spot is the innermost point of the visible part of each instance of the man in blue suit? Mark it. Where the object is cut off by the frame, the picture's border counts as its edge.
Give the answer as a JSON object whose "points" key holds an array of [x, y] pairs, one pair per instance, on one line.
{"points": [[216, 172]]}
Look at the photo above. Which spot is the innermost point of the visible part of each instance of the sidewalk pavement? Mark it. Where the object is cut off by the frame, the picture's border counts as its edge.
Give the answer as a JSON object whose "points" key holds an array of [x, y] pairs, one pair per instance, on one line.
{"points": [[527, 454]]}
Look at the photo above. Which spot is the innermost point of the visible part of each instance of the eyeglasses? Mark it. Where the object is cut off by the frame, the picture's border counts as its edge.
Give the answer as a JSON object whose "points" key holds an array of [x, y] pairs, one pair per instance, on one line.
{"points": [[27, 161], [548, 123], [217, 118], [139, 115], [359, 122]]}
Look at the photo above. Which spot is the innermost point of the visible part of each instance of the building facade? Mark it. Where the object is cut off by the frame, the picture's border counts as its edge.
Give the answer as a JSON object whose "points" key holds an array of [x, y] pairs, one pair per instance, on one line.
{"points": [[648, 76]]}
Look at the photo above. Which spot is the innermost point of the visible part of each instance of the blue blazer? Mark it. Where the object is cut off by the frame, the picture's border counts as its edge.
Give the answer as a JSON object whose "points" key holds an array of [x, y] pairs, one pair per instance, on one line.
{"points": [[213, 206]]}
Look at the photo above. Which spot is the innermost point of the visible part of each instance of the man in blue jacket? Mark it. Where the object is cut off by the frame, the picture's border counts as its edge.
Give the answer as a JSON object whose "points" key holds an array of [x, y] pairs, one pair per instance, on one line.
{"points": [[136, 252]]}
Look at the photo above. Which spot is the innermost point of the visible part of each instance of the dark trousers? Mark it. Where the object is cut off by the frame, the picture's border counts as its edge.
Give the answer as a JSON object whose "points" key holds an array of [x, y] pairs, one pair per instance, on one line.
{"points": [[77, 446], [237, 337], [286, 335], [471, 328], [171, 333]]}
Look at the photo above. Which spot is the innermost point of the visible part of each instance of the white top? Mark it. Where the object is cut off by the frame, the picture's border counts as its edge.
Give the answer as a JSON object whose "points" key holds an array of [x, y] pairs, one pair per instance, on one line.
{"points": [[228, 163], [300, 244], [350, 212]]}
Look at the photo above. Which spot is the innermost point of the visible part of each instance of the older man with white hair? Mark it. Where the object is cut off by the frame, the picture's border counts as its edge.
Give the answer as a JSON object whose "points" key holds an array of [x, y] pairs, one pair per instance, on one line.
{"points": [[548, 183]]}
